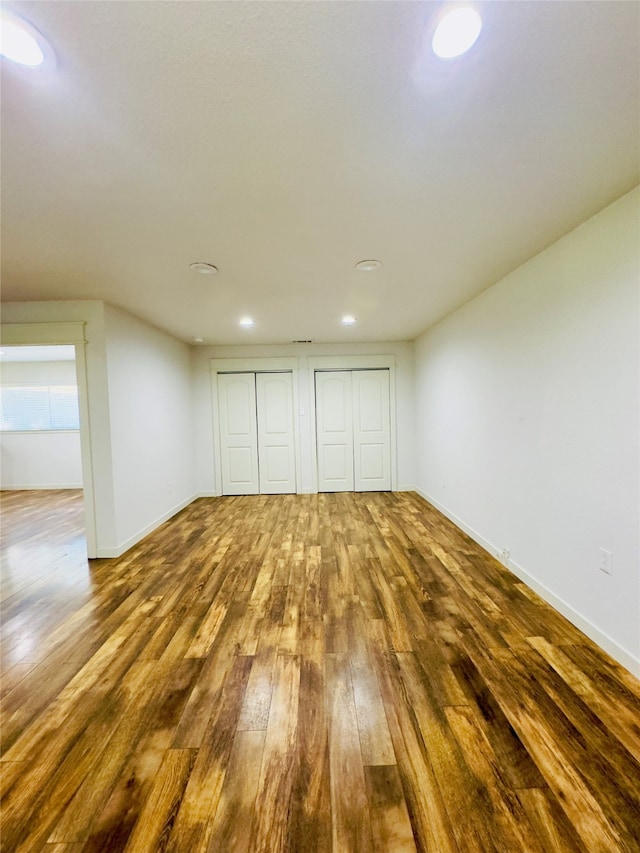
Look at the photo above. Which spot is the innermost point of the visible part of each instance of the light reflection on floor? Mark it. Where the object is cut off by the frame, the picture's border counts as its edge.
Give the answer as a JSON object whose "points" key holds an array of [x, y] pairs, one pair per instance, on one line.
{"points": [[44, 560]]}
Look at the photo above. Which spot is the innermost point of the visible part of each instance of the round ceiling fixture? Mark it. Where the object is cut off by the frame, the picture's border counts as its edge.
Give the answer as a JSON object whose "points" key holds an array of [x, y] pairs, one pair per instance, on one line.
{"points": [[203, 269], [368, 266], [22, 43], [348, 320], [456, 33], [246, 322]]}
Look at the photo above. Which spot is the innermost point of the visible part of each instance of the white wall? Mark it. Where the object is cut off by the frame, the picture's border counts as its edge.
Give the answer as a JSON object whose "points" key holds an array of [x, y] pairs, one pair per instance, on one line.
{"points": [[528, 423], [40, 460], [203, 423], [150, 417]]}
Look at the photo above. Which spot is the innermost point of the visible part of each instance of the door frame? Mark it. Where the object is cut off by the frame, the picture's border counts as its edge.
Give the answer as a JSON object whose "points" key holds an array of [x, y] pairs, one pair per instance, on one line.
{"points": [[355, 362], [47, 334], [252, 365]]}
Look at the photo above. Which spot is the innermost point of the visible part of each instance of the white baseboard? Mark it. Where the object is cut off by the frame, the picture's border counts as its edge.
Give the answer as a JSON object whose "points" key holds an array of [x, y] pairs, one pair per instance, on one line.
{"points": [[301, 492], [401, 488], [214, 495], [609, 645], [35, 487], [149, 528]]}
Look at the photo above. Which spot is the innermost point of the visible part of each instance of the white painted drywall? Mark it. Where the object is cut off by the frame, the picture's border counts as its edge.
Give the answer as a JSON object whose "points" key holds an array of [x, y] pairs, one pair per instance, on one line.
{"points": [[150, 417], [40, 460], [528, 423], [203, 422]]}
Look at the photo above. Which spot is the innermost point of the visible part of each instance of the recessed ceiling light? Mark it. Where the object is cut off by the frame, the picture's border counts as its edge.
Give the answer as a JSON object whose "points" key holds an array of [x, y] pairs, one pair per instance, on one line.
{"points": [[368, 266], [348, 320], [22, 43], [456, 33], [203, 269], [246, 322]]}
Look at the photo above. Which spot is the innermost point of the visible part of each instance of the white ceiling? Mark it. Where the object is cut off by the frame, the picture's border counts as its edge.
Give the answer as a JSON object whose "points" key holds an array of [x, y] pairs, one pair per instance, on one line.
{"points": [[285, 141]]}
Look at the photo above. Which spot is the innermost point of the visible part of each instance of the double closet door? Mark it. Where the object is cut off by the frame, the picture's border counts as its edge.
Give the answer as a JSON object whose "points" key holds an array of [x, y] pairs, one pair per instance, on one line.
{"points": [[257, 443], [353, 430]]}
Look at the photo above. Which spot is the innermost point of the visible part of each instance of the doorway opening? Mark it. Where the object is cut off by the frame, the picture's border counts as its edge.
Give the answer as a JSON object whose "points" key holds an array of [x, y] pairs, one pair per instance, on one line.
{"points": [[41, 476]]}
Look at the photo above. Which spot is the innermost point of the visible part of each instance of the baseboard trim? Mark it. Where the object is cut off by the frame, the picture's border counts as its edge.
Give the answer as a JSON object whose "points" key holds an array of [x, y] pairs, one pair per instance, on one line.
{"points": [[113, 553], [38, 487], [607, 643], [401, 488], [214, 495]]}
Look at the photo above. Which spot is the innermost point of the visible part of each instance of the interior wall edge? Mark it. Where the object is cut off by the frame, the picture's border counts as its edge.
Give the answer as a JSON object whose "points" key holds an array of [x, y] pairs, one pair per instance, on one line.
{"points": [[607, 643], [123, 547]]}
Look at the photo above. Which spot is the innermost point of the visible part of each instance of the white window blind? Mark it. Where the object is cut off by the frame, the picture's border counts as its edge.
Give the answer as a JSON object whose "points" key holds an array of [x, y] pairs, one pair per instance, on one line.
{"points": [[33, 408]]}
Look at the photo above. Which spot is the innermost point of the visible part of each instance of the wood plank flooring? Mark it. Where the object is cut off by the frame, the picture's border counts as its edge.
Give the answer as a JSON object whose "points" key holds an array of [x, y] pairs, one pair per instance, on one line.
{"points": [[311, 673]]}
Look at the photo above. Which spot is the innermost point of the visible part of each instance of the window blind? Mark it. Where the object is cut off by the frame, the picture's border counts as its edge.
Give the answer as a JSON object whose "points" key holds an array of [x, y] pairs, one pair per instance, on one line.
{"points": [[37, 408]]}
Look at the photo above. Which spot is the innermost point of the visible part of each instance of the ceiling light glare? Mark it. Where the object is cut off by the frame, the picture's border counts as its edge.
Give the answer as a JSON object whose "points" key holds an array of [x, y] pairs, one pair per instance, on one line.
{"points": [[456, 33], [20, 42], [199, 340], [246, 322], [368, 266], [348, 320], [203, 269]]}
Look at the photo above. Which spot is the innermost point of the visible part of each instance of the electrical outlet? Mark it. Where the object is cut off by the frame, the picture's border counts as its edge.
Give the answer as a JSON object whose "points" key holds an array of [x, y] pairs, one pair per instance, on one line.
{"points": [[606, 561]]}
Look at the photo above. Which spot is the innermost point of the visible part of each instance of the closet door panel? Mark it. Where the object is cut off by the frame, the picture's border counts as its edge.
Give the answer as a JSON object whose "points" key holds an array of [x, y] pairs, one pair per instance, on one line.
{"points": [[238, 433], [334, 428], [276, 437], [371, 430]]}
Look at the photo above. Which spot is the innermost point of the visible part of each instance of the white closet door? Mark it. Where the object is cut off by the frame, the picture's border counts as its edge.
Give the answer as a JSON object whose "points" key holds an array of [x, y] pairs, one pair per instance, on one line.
{"points": [[371, 431], [334, 424], [238, 433], [276, 448]]}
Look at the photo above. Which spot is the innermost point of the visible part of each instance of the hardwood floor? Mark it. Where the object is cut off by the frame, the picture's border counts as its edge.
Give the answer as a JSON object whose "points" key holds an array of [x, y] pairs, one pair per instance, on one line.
{"points": [[306, 673]]}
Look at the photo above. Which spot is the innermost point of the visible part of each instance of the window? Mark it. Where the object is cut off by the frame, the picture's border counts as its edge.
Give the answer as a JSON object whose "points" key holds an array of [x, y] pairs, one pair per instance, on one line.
{"points": [[32, 408]]}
